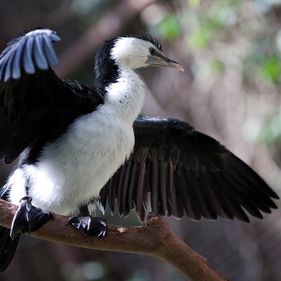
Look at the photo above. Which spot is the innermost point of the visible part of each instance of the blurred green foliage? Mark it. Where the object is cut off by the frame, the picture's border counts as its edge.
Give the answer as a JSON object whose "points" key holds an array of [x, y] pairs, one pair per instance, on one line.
{"points": [[271, 68], [271, 133], [234, 38], [200, 37], [206, 25], [170, 28]]}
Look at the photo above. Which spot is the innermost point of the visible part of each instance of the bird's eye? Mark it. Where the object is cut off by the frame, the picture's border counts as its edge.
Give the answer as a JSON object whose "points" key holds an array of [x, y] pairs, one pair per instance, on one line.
{"points": [[152, 51]]}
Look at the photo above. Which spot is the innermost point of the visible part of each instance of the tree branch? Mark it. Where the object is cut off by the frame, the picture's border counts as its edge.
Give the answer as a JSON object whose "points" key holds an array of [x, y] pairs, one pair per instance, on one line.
{"points": [[153, 239]]}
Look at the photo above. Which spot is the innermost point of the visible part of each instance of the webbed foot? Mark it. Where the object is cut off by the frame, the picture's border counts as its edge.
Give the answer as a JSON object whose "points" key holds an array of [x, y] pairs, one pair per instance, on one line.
{"points": [[90, 225], [28, 218]]}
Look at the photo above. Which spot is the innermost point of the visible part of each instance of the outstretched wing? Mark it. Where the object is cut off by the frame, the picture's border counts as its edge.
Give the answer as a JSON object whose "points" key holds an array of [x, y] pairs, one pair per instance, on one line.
{"points": [[36, 106], [176, 169]]}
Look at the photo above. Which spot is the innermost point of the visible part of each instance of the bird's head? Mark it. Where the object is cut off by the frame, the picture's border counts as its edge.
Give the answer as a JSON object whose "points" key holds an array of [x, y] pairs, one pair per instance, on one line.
{"points": [[138, 52], [129, 53]]}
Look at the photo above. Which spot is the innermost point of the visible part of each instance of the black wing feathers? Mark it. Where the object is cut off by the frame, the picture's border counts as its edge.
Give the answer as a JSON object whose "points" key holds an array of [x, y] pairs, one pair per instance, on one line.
{"points": [[36, 106], [184, 171], [8, 247]]}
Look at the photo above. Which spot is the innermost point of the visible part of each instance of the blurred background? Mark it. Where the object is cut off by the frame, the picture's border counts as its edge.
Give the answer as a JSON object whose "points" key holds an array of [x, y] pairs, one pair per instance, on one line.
{"points": [[231, 90]]}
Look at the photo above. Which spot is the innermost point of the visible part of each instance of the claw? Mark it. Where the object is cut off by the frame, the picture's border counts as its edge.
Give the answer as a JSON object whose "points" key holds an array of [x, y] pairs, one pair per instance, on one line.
{"points": [[89, 225], [28, 218]]}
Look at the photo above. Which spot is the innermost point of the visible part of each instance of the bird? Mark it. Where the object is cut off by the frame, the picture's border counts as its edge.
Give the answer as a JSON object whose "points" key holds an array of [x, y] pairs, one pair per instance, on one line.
{"points": [[80, 147]]}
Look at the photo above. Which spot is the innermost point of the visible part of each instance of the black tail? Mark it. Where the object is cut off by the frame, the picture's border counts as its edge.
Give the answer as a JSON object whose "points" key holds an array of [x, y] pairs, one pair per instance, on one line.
{"points": [[7, 245]]}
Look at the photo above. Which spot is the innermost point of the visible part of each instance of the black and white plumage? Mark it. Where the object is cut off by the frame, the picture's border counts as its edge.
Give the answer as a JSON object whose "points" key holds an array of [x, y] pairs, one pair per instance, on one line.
{"points": [[80, 145]]}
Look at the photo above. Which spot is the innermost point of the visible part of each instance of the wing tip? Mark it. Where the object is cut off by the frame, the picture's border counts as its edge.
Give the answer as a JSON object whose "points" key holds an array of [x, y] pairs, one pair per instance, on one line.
{"points": [[43, 31], [22, 54], [274, 195]]}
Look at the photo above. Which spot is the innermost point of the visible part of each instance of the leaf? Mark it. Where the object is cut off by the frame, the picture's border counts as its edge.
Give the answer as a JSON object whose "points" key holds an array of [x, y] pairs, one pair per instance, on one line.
{"points": [[200, 37], [170, 27], [271, 134], [271, 68]]}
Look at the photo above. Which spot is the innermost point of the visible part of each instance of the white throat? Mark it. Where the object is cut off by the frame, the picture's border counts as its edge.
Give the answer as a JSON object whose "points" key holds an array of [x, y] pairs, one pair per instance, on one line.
{"points": [[126, 95]]}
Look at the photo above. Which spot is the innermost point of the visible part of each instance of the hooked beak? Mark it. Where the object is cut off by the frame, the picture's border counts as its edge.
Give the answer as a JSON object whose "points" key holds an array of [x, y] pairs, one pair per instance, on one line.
{"points": [[158, 59]]}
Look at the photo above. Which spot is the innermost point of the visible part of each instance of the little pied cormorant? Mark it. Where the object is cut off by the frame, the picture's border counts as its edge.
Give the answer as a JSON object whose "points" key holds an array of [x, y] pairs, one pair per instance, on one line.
{"points": [[81, 146]]}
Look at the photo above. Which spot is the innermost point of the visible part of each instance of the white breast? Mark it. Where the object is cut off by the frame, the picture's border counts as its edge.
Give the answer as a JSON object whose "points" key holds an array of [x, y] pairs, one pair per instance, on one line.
{"points": [[73, 169], [76, 167]]}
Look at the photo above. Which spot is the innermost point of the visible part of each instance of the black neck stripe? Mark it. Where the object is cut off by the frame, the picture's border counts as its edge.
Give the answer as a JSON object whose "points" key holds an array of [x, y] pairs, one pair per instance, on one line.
{"points": [[106, 69]]}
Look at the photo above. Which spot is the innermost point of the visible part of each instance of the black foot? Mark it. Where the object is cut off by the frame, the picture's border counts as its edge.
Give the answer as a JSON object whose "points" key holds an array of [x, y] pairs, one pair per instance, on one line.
{"points": [[28, 218], [90, 225]]}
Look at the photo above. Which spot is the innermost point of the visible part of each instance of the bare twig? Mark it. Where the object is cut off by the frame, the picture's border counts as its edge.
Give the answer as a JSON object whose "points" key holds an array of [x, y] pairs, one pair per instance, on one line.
{"points": [[154, 239], [109, 25]]}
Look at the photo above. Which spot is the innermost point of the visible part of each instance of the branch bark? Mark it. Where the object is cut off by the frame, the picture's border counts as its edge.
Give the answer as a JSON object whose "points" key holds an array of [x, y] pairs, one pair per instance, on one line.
{"points": [[153, 239]]}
